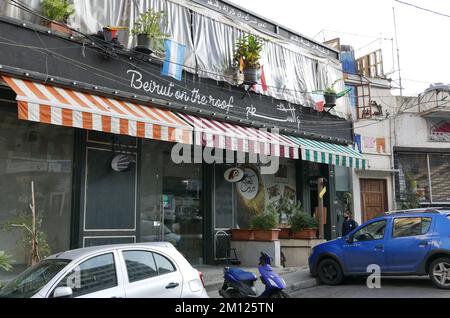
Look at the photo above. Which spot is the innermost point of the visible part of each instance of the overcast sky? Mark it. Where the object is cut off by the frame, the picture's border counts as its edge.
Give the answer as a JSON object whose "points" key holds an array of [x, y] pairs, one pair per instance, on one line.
{"points": [[423, 37]]}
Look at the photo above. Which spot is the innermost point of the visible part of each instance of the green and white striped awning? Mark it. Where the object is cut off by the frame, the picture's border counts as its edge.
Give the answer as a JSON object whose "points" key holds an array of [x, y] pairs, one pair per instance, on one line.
{"points": [[329, 153]]}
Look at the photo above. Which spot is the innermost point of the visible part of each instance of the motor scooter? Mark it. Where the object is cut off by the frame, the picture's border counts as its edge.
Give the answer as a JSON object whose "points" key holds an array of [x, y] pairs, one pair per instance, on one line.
{"points": [[241, 284]]}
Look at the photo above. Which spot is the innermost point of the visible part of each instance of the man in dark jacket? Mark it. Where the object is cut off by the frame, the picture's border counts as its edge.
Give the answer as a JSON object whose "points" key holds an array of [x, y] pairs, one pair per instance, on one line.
{"points": [[349, 224]]}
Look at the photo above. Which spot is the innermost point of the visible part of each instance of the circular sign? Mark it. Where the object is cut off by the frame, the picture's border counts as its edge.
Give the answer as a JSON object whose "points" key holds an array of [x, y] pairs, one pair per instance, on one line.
{"points": [[234, 175], [248, 187]]}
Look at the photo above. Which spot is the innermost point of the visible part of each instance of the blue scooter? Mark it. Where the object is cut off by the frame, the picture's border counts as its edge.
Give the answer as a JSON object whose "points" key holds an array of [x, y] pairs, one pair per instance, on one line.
{"points": [[241, 284]]}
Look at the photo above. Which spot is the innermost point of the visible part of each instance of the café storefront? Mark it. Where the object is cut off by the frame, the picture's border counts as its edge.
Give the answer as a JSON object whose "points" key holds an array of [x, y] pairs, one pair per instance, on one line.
{"points": [[100, 150]]}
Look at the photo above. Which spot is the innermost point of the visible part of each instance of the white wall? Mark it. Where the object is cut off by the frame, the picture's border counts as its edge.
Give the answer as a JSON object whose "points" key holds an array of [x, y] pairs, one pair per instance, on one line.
{"points": [[412, 130]]}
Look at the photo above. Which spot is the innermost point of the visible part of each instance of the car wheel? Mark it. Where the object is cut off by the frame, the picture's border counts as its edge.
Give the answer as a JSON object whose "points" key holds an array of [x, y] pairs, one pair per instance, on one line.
{"points": [[439, 271], [330, 272]]}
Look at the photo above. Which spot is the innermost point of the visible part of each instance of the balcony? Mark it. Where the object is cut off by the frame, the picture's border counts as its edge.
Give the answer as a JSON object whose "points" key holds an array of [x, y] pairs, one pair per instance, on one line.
{"points": [[435, 102]]}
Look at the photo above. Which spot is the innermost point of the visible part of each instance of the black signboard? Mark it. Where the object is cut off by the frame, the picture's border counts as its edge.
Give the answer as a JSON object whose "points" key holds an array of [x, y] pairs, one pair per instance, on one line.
{"points": [[128, 74]]}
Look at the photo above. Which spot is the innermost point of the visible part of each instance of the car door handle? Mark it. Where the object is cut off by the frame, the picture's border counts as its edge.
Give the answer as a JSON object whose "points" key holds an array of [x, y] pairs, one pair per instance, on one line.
{"points": [[423, 243], [172, 285], [379, 246]]}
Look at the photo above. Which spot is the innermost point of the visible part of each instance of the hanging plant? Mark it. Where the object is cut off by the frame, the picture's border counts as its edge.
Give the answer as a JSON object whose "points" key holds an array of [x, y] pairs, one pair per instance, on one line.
{"points": [[247, 55], [147, 28]]}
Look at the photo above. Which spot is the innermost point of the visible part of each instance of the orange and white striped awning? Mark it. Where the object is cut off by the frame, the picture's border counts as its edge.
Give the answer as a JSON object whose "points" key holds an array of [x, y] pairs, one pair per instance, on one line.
{"points": [[66, 107]]}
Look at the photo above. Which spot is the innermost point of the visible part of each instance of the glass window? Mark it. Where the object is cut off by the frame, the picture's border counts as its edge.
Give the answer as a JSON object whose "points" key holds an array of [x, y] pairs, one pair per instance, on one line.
{"points": [[223, 198], [413, 174], [140, 265], [373, 231], [41, 153], [33, 279], [440, 177], [93, 275], [164, 265], [411, 226]]}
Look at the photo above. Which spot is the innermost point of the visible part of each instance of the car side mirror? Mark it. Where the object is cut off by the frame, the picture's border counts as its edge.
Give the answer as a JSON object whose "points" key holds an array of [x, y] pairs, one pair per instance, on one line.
{"points": [[63, 292]]}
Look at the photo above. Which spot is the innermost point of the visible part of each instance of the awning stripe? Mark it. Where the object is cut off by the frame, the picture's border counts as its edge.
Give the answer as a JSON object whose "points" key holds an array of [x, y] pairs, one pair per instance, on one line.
{"points": [[329, 153], [65, 107], [214, 133]]}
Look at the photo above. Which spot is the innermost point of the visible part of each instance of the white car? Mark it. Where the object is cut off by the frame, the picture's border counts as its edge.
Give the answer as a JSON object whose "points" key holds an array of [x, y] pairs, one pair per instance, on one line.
{"points": [[153, 270]]}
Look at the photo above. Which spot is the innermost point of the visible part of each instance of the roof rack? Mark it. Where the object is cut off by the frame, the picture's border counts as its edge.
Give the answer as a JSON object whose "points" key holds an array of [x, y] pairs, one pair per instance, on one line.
{"points": [[420, 210]]}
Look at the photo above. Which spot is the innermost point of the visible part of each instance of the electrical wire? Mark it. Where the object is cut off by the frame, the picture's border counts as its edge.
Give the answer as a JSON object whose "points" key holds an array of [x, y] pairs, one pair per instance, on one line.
{"points": [[424, 9]]}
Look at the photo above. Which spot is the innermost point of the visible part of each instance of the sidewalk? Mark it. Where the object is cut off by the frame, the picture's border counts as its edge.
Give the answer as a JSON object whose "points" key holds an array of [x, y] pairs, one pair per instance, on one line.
{"points": [[296, 278]]}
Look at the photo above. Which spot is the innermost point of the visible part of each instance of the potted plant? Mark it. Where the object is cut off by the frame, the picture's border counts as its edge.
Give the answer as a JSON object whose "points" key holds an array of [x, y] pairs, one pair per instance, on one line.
{"points": [[147, 29], [247, 54], [265, 227], [284, 207], [5, 261], [242, 235], [58, 11], [303, 226], [330, 94]]}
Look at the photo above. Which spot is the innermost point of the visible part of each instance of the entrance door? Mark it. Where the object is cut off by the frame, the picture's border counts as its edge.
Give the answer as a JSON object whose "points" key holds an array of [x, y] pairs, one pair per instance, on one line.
{"points": [[373, 198], [109, 194]]}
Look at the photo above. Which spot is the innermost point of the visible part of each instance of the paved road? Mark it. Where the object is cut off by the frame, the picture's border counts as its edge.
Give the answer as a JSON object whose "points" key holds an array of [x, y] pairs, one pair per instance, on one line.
{"points": [[403, 287]]}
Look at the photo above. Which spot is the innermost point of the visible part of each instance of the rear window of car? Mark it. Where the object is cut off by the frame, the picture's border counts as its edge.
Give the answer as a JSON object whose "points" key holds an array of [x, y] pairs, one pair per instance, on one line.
{"points": [[413, 226]]}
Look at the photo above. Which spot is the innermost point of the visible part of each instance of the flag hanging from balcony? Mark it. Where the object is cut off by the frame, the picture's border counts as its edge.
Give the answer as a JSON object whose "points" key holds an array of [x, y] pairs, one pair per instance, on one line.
{"points": [[319, 101], [174, 60]]}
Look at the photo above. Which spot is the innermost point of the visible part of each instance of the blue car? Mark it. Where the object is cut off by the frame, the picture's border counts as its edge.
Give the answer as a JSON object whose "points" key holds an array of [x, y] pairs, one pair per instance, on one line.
{"points": [[411, 242]]}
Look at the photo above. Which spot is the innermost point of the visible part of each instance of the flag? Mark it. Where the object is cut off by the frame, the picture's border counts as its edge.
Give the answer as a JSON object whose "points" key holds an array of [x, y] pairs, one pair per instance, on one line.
{"points": [[263, 80], [357, 144], [319, 102], [174, 60]]}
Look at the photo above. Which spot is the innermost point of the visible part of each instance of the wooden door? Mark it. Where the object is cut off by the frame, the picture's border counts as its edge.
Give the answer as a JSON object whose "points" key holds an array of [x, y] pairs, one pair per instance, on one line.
{"points": [[373, 198]]}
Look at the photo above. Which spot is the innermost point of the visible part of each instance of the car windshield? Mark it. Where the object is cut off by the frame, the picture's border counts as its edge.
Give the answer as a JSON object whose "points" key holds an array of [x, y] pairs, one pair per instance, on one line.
{"points": [[33, 279]]}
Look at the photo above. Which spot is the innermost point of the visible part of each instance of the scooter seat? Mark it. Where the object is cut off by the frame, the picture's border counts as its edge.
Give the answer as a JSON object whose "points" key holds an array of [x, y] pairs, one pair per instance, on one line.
{"points": [[242, 275]]}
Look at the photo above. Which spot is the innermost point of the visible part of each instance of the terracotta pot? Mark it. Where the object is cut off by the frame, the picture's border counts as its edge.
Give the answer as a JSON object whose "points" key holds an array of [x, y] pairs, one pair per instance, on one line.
{"points": [[285, 233], [267, 235], [242, 235], [55, 27], [305, 234]]}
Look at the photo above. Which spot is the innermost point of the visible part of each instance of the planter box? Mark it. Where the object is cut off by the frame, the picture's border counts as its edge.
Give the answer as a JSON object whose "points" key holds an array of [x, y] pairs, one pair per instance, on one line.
{"points": [[266, 235], [304, 234], [285, 233], [59, 28], [242, 235]]}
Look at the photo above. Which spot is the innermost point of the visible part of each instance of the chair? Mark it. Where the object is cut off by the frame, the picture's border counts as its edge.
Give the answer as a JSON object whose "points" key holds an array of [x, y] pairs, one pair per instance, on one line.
{"points": [[224, 250]]}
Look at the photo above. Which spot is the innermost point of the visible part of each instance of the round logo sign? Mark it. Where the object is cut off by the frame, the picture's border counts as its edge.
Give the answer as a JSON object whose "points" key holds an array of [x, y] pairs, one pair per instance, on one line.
{"points": [[248, 187], [234, 175]]}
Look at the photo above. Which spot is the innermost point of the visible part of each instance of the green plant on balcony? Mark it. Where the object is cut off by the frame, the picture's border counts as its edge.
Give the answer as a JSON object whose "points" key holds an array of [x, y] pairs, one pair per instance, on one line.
{"points": [[5, 261], [247, 54], [57, 10], [148, 31]]}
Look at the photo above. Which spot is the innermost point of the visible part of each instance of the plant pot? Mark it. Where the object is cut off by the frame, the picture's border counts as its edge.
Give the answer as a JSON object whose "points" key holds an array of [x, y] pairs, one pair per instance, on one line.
{"points": [[59, 28], [242, 235], [305, 234], [330, 99], [144, 44], [285, 233], [250, 76], [266, 235]]}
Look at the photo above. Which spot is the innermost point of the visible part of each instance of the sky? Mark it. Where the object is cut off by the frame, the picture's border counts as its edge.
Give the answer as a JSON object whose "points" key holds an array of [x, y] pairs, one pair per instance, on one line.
{"points": [[368, 25]]}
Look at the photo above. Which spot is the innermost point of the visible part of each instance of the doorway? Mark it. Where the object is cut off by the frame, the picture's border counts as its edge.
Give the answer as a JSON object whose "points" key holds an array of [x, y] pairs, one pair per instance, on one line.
{"points": [[373, 198]]}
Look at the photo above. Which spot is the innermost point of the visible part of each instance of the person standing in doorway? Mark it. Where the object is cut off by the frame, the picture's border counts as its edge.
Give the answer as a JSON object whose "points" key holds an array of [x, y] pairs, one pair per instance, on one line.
{"points": [[349, 224]]}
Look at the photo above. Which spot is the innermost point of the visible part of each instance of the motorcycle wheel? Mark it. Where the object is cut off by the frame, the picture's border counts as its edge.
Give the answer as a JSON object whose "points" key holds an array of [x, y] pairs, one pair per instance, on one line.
{"points": [[280, 294], [230, 293]]}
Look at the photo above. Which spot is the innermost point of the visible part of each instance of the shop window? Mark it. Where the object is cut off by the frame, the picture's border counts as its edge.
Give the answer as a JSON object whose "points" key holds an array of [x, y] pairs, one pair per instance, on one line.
{"points": [[440, 177], [413, 172], [43, 154]]}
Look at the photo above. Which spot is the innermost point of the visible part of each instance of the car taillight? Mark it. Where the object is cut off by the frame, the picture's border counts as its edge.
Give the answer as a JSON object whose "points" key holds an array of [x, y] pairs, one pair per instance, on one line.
{"points": [[200, 274]]}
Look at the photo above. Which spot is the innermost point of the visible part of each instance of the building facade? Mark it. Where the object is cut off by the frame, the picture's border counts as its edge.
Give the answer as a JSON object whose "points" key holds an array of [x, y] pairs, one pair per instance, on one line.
{"points": [[120, 153]]}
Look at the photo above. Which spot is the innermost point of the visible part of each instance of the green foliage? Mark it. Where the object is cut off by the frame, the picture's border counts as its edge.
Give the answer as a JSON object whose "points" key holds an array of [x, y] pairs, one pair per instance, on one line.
{"points": [[410, 198], [249, 48], [5, 261], [285, 208], [330, 90], [266, 221], [301, 221], [24, 222], [149, 23], [57, 10]]}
